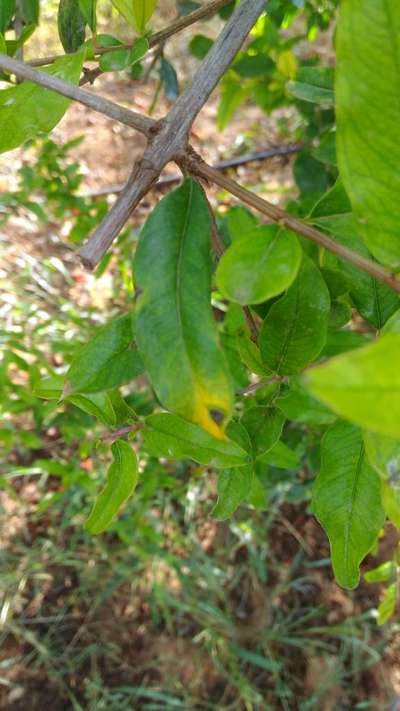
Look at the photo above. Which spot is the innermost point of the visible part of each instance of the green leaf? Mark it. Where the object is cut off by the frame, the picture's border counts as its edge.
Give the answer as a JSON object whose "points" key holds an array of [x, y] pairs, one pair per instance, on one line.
{"points": [[98, 405], [136, 12], [281, 456], [232, 95], [49, 388], [374, 301], [171, 437], [169, 79], [233, 488], [363, 386], [88, 10], [250, 354], [253, 66], [294, 331], [346, 501], [368, 119], [264, 426], [3, 46], [109, 360], [298, 406], [7, 10], [383, 454], [175, 330], [27, 109], [139, 49], [391, 501], [200, 45], [115, 61], [30, 11], [240, 221], [314, 84], [71, 25], [122, 478], [388, 605], [383, 573], [260, 265]]}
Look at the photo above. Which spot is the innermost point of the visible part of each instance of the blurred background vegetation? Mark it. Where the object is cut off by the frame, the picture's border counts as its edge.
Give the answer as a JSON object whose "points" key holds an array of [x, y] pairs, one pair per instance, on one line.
{"points": [[170, 609]]}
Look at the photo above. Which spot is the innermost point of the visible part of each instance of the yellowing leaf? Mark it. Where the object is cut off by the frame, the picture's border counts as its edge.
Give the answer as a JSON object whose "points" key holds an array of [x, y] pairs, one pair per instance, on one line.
{"points": [[175, 329]]}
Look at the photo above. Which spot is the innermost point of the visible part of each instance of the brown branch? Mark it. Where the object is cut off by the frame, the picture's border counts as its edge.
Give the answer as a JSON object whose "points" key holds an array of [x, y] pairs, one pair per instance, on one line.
{"points": [[219, 165], [170, 143], [181, 24], [141, 123], [250, 389], [280, 217]]}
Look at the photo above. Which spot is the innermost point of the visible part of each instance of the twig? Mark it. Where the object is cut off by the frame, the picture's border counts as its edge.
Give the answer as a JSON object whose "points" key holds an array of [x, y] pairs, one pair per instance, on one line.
{"points": [[117, 434], [280, 217], [170, 143], [181, 24], [219, 165], [141, 123], [251, 324], [250, 389]]}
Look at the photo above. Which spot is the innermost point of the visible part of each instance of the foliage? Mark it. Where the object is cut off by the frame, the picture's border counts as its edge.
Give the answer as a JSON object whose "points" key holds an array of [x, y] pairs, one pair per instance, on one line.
{"points": [[173, 373]]}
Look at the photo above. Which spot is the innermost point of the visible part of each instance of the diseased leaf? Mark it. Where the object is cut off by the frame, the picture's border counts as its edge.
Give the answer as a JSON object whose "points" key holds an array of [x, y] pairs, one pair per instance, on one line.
{"points": [[294, 331], [264, 426], [368, 119], [363, 386], [170, 436], [109, 360], [346, 501], [122, 478], [71, 25], [233, 488], [175, 330], [27, 109], [261, 264]]}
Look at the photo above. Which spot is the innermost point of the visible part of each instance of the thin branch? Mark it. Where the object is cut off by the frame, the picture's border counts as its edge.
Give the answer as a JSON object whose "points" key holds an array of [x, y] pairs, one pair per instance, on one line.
{"points": [[280, 217], [219, 165], [214, 65], [181, 24], [170, 143], [251, 322], [141, 123], [250, 389], [143, 176]]}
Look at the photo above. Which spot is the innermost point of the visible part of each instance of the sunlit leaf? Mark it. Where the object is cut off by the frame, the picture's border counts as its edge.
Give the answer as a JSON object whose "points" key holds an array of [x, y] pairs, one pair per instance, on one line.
{"points": [[122, 478]]}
